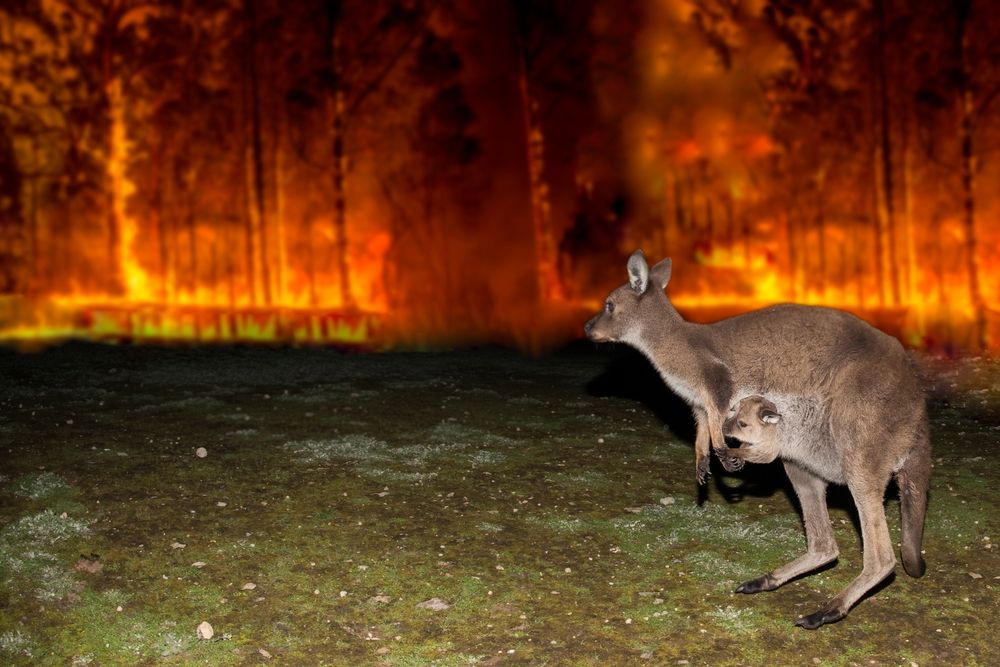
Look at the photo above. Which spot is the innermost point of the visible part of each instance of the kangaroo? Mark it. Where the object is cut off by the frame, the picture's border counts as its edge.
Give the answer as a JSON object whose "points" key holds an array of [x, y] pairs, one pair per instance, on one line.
{"points": [[861, 378], [818, 443]]}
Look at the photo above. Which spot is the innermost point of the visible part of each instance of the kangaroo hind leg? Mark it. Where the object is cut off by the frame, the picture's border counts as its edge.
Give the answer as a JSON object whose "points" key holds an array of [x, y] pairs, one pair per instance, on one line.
{"points": [[879, 558], [822, 546]]}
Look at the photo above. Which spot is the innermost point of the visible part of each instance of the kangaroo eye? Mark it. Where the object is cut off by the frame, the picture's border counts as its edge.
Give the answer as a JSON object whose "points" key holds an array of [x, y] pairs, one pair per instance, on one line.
{"points": [[609, 307], [742, 423]]}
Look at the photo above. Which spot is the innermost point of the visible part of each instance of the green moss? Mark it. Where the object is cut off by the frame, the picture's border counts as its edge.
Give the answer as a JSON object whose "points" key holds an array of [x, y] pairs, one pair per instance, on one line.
{"points": [[503, 503]]}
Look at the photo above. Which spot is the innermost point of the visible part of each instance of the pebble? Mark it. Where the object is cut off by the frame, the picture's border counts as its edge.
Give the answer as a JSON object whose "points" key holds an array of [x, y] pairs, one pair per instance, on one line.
{"points": [[205, 630], [434, 604], [201, 452], [249, 586]]}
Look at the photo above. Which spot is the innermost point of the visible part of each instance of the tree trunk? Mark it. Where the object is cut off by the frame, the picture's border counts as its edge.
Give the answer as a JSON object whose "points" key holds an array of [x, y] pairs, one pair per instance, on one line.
{"points": [[339, 202], [259, 218], [337, 112], [966, 135], [887, 209], [550, 286], [879, 230], [792, 252], [192, 229], [912, 271], [279, 204], [33, 264], [113, 180], [156, 218], [310, 260]]}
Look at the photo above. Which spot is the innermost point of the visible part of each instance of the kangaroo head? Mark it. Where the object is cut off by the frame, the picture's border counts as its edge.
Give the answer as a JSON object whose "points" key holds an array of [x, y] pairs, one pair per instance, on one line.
{"points": [[753, 420], [635, 306]]}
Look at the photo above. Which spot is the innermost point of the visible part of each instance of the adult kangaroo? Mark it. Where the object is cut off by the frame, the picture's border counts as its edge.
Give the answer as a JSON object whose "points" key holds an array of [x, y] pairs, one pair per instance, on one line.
{"points": [[862, 377]]}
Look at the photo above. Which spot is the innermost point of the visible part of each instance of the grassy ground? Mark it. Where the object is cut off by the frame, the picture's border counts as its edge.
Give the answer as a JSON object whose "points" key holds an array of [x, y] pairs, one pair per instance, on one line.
{"points": [[458, 508]]}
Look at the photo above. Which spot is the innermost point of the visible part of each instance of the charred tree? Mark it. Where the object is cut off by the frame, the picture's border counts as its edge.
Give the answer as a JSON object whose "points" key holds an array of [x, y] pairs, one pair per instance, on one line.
{"points": [[258, 212], [884, 170], [967, 106]]}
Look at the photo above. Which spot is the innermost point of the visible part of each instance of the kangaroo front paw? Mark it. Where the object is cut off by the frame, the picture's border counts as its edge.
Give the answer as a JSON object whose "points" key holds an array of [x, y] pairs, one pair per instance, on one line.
{"points": [[729, 462], [821, 617], [758, 585], [702, 469]]}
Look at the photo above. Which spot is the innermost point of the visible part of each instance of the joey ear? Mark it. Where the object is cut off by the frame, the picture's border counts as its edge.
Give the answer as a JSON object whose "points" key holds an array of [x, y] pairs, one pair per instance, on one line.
{"points": [[638, 272], [661, 272], [769, 416]]}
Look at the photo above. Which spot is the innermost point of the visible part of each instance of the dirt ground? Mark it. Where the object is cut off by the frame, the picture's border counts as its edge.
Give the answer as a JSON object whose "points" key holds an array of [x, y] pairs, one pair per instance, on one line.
{"points": [[448, 508]]}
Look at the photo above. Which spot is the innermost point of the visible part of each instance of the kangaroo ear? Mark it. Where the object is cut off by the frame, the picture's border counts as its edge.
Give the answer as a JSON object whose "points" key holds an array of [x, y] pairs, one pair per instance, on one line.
{"points": [[638, 272], [769, 416], [661, 272]]}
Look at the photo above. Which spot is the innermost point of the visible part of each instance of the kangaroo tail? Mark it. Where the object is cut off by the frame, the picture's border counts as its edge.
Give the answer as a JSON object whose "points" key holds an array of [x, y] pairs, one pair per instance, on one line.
{"points": [[913, 480]]}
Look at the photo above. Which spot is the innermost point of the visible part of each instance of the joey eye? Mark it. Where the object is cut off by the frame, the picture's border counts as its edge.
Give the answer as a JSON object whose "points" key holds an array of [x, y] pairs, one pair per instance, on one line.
{"points": [[609, 307], [742, 423]]}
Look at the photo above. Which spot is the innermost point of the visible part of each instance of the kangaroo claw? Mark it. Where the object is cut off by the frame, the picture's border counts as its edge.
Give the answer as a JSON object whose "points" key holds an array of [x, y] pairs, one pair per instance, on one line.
{"points": [[821, 617], [702, 470], [730, 463]]}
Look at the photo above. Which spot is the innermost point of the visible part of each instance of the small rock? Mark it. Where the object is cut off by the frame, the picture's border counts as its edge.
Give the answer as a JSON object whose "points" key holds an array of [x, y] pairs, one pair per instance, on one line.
{"points": [[975, 575], [119, 608], [205, 630], [343, 594], [220, 504], [264, 653], [177, 545], [201, 452], [198, 564], [249, 586], [380, 599], [667, 500], [434, 604], [633, 510], [382, 494]]}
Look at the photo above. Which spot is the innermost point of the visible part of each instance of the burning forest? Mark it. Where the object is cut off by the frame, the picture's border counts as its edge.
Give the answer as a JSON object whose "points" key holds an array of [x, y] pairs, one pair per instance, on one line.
{"points": [[419, 172]]}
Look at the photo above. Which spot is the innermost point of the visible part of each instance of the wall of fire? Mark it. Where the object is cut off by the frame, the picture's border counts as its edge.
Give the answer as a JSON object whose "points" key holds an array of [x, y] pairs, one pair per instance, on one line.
{"points": [[407, 170]]}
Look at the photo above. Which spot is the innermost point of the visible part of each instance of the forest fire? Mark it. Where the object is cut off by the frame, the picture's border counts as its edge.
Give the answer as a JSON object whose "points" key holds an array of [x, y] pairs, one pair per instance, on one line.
{"points": [[400, 172]]}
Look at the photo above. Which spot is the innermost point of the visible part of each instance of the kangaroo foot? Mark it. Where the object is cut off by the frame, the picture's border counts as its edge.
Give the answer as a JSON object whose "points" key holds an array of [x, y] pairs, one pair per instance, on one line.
{"points": [[821, 617], [702, 469], [758, 585]]}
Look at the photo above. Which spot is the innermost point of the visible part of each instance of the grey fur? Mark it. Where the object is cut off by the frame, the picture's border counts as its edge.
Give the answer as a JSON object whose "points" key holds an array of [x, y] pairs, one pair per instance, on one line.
{"points": [[850, 386]]}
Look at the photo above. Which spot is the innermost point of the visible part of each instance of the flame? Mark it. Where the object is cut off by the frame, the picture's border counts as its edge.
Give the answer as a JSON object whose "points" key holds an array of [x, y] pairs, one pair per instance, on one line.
{"points": [[137, 281]]}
